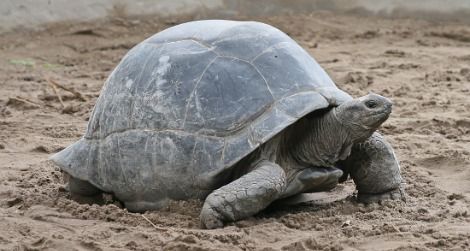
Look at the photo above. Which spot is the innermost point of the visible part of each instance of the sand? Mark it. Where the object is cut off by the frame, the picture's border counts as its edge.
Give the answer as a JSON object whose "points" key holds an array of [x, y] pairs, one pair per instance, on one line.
{"points": [[423, 67]]}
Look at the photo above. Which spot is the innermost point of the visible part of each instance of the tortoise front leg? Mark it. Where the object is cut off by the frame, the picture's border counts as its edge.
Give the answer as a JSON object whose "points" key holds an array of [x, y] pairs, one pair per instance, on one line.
{"points": [[375, 170], [245, 196]]}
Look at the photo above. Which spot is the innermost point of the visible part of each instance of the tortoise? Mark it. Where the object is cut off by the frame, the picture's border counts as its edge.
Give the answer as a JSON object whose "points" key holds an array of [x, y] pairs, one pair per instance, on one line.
{"points": [[233, 112]]}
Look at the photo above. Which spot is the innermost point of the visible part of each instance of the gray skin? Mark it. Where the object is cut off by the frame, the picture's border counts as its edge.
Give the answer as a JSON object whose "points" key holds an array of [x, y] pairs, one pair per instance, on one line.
{"points": [[370, 161], [304, 158], [233, 113]]}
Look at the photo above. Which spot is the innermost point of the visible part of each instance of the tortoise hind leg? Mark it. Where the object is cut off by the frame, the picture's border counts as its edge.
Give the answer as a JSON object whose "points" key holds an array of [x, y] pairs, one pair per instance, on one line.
{"points": [[142, 206], [83, 191]]}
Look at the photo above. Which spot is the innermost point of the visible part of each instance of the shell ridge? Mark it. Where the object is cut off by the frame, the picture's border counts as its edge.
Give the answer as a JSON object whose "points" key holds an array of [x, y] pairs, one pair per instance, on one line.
{"points": [[199, 42], [257, 70], [132, 93], [199, 134], [195, 89], [222, 157], [268, 49], [265, 81]]}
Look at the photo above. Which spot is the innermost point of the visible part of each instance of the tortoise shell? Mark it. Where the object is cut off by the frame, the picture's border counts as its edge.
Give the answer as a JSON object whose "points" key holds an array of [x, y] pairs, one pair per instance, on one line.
{"points": [[185, 105]]}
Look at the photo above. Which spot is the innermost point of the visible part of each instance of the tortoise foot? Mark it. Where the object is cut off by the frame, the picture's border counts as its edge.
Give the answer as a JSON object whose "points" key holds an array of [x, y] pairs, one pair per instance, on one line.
{"points": [[210, 218], [82, 191], [395, 194]]}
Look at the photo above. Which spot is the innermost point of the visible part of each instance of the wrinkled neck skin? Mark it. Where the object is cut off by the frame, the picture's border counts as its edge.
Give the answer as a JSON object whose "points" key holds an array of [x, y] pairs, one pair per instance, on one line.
{"points": [[318, 141]]}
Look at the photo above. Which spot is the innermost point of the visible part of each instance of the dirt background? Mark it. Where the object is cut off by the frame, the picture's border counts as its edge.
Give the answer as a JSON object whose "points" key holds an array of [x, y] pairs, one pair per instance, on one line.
{"points": [[423, 67]]}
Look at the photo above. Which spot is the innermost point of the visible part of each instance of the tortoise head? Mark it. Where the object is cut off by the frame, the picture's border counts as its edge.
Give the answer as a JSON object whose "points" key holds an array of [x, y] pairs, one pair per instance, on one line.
{"points": [[362, 116]]}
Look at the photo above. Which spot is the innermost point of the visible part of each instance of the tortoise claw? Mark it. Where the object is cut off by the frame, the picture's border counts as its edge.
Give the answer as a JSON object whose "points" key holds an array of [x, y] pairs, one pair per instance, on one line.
{"points": [[395, 194]]}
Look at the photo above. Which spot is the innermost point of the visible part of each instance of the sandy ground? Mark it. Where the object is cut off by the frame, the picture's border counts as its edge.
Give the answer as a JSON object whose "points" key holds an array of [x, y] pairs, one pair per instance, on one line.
{"points": [[424, 67]]}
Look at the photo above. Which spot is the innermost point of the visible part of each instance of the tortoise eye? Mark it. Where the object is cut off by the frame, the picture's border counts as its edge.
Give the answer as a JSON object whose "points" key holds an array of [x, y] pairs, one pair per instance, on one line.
{"points": [[371, 104]]}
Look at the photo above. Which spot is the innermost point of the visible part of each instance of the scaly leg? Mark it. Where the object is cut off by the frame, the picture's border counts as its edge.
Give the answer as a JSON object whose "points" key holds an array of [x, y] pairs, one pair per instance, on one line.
{"points": [[245, 196], [375, 170], [82, 191]]}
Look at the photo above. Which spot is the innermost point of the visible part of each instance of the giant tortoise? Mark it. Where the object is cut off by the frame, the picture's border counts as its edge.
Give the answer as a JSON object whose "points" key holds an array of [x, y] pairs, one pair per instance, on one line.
{"points": [[236, 113]]}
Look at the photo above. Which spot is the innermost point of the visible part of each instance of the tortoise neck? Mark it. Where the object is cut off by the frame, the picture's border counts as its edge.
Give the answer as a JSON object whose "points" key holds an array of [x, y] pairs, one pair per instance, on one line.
{"points": [[318, 140]]}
